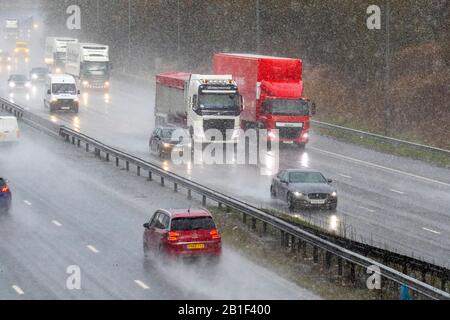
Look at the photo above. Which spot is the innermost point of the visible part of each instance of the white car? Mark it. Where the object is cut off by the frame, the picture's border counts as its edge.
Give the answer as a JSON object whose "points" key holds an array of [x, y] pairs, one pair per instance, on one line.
{"points": [[9, 129]]}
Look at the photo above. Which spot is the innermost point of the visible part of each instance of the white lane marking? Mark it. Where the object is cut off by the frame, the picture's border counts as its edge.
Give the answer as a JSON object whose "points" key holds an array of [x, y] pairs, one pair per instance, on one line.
{"points": [[370, 210], [18, 290], [381, 167], [56, 223], [28, 203], [345, 176], [429, 230], [141, 284], [396, 191], [92, 248]]}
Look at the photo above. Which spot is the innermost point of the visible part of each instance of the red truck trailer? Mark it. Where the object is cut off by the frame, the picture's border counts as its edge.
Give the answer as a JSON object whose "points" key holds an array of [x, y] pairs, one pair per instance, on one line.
{"points": [[273, 91]]}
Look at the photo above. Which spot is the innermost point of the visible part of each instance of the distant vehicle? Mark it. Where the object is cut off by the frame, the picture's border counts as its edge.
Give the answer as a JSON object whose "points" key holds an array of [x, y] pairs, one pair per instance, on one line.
{"points": [[11, 29], [5, 58], [18, 82], [199, 103], [39, 74], [165, 140], [56, 52], [61, 93], [9, 129], [89, 64], [182, 233], [22, 51], [273, 92], [5, 196], [305, 188]]}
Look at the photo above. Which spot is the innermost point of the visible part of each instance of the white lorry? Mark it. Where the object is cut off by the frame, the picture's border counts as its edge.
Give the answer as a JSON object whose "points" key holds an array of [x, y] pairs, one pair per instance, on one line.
{"points": [[55, 52], [11, 29], [89, 64], [199, 103], [9, 129]]}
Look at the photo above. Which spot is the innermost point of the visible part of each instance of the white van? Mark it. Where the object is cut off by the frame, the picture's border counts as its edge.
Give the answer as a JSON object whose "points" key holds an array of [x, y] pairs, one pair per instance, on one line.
{"points": [[61, 93], [9, 129]]}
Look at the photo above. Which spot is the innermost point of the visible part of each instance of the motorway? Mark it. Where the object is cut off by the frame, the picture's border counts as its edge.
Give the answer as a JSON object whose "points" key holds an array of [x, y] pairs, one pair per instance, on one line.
{"points": [[70, 209], [389, 201]]}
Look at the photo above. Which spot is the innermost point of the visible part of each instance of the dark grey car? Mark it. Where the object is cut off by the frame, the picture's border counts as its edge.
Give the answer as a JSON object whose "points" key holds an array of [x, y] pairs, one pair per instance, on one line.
{"points": [[164, 140], [305, 188]]}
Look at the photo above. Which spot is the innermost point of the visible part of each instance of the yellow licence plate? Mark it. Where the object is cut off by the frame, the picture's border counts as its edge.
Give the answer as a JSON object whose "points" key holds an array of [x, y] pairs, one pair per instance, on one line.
{"points": [[195, 246]]}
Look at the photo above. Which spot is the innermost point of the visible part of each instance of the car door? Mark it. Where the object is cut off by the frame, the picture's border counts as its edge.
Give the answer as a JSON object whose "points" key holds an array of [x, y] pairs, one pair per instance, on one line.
{"points": [[278, 186], [149, 232]]}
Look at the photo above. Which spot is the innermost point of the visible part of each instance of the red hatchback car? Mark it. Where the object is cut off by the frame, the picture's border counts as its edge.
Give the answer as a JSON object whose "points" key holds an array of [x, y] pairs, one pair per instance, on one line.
{"points": [[183, 233]]}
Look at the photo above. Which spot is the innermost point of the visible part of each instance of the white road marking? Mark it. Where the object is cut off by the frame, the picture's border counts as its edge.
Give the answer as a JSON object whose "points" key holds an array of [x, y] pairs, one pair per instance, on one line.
{"points": [[396, 191], [18, 290], [56, 223], [141, 284], [345, 176], [28, 203], [92, 248], [370, 210], [382, 167], [429, 230]]}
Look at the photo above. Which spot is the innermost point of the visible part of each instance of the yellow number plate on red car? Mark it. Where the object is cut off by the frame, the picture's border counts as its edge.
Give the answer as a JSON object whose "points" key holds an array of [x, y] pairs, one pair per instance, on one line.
{"points": [[195, 246]]}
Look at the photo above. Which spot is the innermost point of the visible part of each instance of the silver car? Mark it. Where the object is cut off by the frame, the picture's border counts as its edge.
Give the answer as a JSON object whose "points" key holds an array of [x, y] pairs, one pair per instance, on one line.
{"points": [[305, 188]]}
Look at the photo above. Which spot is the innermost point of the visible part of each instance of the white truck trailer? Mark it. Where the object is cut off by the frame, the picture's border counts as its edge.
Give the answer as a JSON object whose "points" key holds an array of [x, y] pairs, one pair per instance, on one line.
{"points": [[56, 51]]}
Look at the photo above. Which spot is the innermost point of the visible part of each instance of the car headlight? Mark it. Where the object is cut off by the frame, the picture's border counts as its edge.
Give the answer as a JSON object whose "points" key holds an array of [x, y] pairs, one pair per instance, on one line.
{"points": [[12, 84], [58, 70], [9, 59], [85, 83], [334, 194], [298, 194], [27, 84], [107, 84], [34, 76], [53, 99], [166, 145]]}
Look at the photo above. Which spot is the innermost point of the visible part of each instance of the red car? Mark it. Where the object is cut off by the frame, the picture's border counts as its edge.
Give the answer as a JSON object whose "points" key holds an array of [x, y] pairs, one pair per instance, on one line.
{"points": [[183, 233]]}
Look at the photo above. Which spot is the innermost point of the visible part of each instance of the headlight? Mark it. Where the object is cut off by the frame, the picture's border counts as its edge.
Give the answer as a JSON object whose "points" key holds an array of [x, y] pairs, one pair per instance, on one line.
{"points": [[27, 84], [85, 83], [9, 59], [75, 99], [53, 99], [12, 84], [305, 135], [107, 84], [166, 145], [34, 76], [334, 194], [58, 70], [298, 194]]}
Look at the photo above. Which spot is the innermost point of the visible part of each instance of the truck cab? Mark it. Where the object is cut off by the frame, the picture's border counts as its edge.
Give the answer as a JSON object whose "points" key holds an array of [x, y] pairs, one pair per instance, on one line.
{"points": [[61, 93], [56, 52]]}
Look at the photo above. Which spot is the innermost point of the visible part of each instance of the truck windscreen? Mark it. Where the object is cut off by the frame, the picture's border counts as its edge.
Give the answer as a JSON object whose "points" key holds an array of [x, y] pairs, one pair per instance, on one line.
{"points": [[96, 68], [64, 88], [219, 102], [286, 107]]}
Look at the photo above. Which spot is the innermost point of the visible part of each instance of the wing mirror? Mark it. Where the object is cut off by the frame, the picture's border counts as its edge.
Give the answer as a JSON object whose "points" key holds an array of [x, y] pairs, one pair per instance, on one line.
{"points": [[329, 180], [146, 225], [48, 91]]}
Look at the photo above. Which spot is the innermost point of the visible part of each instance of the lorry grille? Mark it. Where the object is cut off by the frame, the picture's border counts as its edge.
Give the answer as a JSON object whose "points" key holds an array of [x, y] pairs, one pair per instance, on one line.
{"points": [[289, 133], [318, 196], [220, 124]]}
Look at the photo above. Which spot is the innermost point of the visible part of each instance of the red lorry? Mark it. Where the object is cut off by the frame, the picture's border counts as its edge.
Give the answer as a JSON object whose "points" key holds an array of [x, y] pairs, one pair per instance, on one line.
{"points": [[273, 91]]}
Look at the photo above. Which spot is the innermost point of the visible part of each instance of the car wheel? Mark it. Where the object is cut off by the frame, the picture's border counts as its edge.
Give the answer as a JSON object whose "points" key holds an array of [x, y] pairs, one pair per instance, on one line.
{"points": [[159, 151], [145, 250], [291, 202], [273, 194], [333, 207]]}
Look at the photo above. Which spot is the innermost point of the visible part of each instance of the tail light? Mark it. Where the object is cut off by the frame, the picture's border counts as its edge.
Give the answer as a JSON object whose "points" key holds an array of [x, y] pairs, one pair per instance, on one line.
{"points": [[5, 189], [173, 236], [215, 234]]}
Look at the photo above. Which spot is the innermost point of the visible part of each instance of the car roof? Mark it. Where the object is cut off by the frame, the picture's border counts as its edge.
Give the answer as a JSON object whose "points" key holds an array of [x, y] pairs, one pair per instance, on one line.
{"points": [[64, 78], [301, 170], [186, 213], [8, 117]]}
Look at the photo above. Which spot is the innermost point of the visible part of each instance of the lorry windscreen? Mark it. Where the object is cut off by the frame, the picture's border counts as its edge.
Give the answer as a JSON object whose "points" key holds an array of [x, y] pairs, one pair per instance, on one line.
{"points": [[286, 107], [219, 102], [96, 68], [61, 88]]}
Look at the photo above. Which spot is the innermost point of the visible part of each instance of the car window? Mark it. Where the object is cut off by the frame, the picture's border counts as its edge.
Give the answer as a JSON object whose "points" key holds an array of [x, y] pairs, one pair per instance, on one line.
{"points": [[195, 223], [307, 177], [2, 182], [162, 221], [154, 219]]}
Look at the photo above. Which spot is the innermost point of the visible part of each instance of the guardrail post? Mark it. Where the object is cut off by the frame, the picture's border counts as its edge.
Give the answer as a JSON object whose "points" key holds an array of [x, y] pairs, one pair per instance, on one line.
{"points": [[228, 209], [175, 187], [107, 157], [315, 254], [219, 204], [443, 283], [244, 217], [340, 266], [73, 140], [283, 239], [424, 275], [78, 143], [189, 194], [150, 178], [138, 169], [292, 243], [264, 228], [327, 260], [87, 147], [204, 201], [253, 223], [127, 165], [162, 181], [117, 161], [352, 274]]}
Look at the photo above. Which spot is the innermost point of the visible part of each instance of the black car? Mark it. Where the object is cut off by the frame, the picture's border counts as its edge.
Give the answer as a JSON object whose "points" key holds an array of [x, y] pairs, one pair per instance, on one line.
{"points": [[164, 140], [5, 196], [18, 82], [305, 188], [38, 74]]}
